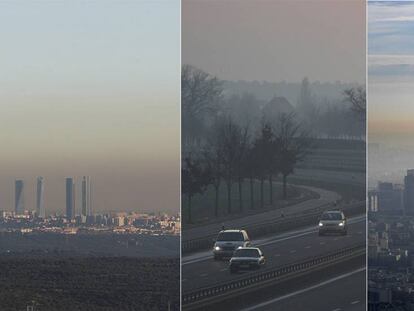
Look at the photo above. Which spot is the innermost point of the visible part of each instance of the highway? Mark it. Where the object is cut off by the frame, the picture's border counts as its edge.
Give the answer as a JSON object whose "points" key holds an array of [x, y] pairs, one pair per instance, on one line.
{"points": [[345, 292], [325, 197], [200, 270]]}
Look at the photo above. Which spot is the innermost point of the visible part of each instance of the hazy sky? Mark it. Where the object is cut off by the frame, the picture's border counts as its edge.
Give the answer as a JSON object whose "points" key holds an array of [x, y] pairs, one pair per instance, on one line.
{"points": [[276, 40], [91, 88], [391, 70]]}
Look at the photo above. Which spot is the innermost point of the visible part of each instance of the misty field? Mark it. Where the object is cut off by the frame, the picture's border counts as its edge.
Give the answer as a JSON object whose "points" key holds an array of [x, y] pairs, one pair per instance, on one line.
{"points": [[203, 205], [112, 283]]}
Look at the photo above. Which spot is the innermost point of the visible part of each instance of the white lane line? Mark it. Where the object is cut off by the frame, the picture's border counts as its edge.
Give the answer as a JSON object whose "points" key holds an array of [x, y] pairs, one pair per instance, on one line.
{"points": [[207, 255], [354, 302], [225, 269], [308, 246], [336, 239], [269, 302], [322, 243], [338, 309], [293, 251], [204, 275]]}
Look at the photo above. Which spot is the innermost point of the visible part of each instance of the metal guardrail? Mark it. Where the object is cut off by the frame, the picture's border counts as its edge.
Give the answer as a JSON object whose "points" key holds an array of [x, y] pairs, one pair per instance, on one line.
{"points": [[273, 226], [264, 278]]}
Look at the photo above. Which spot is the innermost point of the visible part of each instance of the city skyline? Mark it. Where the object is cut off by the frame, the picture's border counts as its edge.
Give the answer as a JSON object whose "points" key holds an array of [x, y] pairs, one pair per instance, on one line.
{"points": [[88, 89]]}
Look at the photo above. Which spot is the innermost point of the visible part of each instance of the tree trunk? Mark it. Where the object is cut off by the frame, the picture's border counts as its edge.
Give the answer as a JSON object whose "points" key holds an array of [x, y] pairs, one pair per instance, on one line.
{"points": [[189, 210], [271, 190], [241, 194], [251, 193], [284, 186], [261, 192], [216, 201], [229, 197]]}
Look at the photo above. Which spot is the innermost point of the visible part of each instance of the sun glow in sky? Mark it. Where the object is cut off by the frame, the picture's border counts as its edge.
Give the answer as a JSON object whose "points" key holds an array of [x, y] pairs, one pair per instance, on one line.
{"points": [[91, 88]]}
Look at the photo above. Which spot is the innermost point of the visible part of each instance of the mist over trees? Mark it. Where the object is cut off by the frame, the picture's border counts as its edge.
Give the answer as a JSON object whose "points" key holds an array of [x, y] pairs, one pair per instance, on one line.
{"points": [[238, 141]]}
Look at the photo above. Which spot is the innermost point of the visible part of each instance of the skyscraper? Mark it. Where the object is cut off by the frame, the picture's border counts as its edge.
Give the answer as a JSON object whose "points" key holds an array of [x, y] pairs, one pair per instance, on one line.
{"points": [[409, 193], [70, 198], [18, 196], [40, 205], [86, 196]]}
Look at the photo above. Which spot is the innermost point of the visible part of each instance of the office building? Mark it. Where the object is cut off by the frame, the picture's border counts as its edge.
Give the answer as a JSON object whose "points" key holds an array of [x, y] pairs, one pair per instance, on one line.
{"points": [[19, 197], [409, 193], [86, 196], [70, 198], [40, 205]]}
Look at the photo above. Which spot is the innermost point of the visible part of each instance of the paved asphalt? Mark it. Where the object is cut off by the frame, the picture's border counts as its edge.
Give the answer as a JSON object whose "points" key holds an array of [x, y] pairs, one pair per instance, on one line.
{"points": [[326, 197], [345, 292], [201, 270]]}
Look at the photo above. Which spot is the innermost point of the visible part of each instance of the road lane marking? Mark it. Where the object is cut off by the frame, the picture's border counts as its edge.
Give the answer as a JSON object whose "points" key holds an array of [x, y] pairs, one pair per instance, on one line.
{"points": [[354, 302], [322, 243], [272, 301], [204, 275], [338, 309], [225, 269], [308, 246], [207, 255], [293, 251]]}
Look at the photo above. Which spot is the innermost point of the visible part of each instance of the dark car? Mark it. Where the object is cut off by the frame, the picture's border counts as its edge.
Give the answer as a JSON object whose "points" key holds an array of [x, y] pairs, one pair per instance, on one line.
{"points": [[246, 258]]}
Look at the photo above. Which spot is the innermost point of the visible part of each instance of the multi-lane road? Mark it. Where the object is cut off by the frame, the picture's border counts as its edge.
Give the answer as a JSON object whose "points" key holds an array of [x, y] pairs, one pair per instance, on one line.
{"points": [[343, 292], [201, 270]]}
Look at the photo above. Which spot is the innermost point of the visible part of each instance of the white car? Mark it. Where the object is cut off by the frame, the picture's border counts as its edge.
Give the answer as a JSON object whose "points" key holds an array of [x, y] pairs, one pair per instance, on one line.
{"points": [[228, 241]]}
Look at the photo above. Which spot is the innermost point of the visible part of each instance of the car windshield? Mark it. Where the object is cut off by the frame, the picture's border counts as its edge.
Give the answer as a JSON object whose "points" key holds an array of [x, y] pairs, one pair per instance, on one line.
{"points": [[246, 253], [230, 236], [331, 216]]}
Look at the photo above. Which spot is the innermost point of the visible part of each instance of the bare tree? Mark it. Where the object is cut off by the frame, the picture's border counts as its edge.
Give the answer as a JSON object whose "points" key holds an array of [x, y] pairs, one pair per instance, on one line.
{"points": [[358, 99], [262, 154], [213, 156], [232, 141], [194, 180], [294, 145], [200, 93]]}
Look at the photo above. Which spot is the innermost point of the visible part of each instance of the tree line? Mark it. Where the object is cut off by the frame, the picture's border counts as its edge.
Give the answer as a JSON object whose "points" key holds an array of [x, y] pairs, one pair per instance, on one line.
{"points": [[223, 148]]}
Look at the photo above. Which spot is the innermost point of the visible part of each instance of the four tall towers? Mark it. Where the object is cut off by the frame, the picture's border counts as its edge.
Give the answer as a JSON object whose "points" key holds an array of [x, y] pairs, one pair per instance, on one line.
{"points": [[86, 206]]}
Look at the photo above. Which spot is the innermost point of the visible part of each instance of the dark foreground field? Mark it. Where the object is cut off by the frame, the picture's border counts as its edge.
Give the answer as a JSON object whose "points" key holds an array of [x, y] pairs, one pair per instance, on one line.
{"points": [[89, 283]]}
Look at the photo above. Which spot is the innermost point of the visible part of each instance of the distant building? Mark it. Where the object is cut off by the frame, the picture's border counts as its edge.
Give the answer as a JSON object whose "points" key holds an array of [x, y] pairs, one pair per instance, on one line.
{"points": [[390, 198], [19, 197], [409, 193], [86, 196], [40, 204], [70, 198]]}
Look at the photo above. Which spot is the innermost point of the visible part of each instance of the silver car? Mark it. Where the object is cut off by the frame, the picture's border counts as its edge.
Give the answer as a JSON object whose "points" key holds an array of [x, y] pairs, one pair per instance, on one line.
{"points": [[228, 241], [246, 258], [333, 222]]}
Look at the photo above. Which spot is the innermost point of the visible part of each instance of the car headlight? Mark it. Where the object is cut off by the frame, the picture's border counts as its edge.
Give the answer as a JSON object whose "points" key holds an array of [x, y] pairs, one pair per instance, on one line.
{"points": [[217, 248], [341, 224], [240, 247], [320, 224]]}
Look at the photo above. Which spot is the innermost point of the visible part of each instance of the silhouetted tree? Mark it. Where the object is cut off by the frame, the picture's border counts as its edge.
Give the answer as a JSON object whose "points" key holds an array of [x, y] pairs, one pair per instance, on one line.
{"points": [[293, 144], [358, 98], [200, 93], [194, 180], [263, 153]]}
